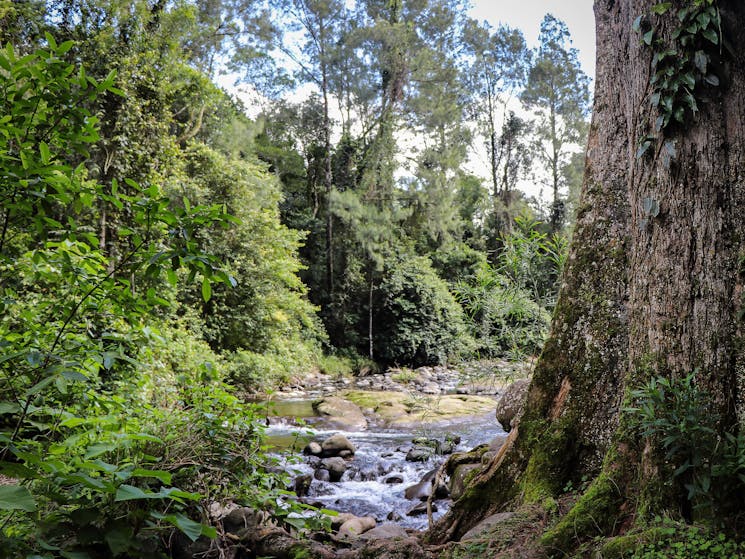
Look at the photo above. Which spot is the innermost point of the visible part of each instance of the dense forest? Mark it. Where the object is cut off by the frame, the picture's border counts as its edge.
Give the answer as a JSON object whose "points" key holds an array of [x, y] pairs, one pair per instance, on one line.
{"points": [[166, 257]]}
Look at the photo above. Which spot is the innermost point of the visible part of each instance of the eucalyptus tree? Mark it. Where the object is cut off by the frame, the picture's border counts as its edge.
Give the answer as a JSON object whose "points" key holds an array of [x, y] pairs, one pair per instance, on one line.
{"points": [[319, 22], [434, 114], [498, 61], [557, 90]]}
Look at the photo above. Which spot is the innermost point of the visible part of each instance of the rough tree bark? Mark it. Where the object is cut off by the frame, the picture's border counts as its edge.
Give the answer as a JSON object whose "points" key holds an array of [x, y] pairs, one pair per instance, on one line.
{"points": [[642, 296]]}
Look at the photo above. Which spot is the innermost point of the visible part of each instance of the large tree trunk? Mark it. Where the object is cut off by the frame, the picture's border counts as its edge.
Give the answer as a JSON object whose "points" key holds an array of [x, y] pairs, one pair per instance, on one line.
{"points": [[643, 296]]}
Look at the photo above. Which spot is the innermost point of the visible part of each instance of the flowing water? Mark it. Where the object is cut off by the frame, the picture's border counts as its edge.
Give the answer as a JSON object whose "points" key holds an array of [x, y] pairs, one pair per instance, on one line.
{"points": [[380, 457]]}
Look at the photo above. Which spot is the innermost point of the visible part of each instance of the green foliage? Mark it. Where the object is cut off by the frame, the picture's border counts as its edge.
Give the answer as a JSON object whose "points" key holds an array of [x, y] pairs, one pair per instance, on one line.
{"points": [[679, 417], [507, 306], [457, 262], [502, 318], [419, 321], [113, 425], [533, 260], [685, 68], [266, 309], [673, 541]]}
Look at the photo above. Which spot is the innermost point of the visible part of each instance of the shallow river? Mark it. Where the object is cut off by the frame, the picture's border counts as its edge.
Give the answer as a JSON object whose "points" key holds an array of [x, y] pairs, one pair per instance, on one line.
{"points": [[380, 456]]}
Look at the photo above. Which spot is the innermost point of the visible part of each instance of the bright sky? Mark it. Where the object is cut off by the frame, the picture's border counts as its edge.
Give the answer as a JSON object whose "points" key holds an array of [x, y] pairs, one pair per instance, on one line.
{"points": [[526, 15]]}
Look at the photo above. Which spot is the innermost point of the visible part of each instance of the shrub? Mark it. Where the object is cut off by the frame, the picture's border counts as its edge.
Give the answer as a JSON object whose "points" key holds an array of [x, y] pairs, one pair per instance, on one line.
{"points": [[418, 320], [706, 465], [502, 318], [277, 364]]}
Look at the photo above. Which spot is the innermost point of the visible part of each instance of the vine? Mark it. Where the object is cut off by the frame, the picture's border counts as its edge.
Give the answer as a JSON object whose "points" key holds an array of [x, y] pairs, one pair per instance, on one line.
{"points": [[686, 68]]}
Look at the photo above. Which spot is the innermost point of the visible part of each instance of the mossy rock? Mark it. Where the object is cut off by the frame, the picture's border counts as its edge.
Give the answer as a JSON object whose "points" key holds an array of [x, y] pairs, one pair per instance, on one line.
{"points": [[402, 410]]}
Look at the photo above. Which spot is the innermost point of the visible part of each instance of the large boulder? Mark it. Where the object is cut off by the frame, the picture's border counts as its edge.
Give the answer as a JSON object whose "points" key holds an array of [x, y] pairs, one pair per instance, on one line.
{"points": [[340, 413], [510, 406], [335, 445]]}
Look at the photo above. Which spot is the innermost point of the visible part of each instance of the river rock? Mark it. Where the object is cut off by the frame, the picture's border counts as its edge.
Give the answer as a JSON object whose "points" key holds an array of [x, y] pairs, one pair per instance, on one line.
{"points": [[423, 489], [497, 442], [335, 466], [336, 444], [322, 475], [341, 413], [510, 406], [385, 467], [244, 519], [438, 446], [393, 516], [386, 531], [339, 519], [419, 454], [353, 527], [394, 479], [301, 485], [486, 525], [313, 448], [420, 509], [458, 479]]}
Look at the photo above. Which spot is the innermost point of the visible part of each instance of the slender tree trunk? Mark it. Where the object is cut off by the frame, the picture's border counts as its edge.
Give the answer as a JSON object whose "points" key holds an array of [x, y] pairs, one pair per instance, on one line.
{"points": [[642, 296], [492, 137], [371, 291], [557, 213], [327, 174]]}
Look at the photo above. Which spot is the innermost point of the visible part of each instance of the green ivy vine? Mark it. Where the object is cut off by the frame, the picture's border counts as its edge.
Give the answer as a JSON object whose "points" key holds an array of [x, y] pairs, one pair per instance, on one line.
{"points": [[686, 68]]}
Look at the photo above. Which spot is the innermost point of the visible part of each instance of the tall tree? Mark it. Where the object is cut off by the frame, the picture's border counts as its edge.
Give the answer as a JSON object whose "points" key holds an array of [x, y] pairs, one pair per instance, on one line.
{"points": [[435, 114], [319, 21], [653, 287], [498, 67], [558, 91]]}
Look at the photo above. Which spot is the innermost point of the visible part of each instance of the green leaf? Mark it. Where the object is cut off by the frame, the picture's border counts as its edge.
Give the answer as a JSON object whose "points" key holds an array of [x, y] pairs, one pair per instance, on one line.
{"points": [[701, 60], [64, 47], [190, 528], [648, 36], [108, 359], [9, 407], [711, 35], [206, 289], [41, 385], [661, 8], [98, 449], [16, 497], [643, 147], [119, 540], [131, 493], [162, 475], [34, 358], [46, 155], [637, 25], [75, 555]]}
